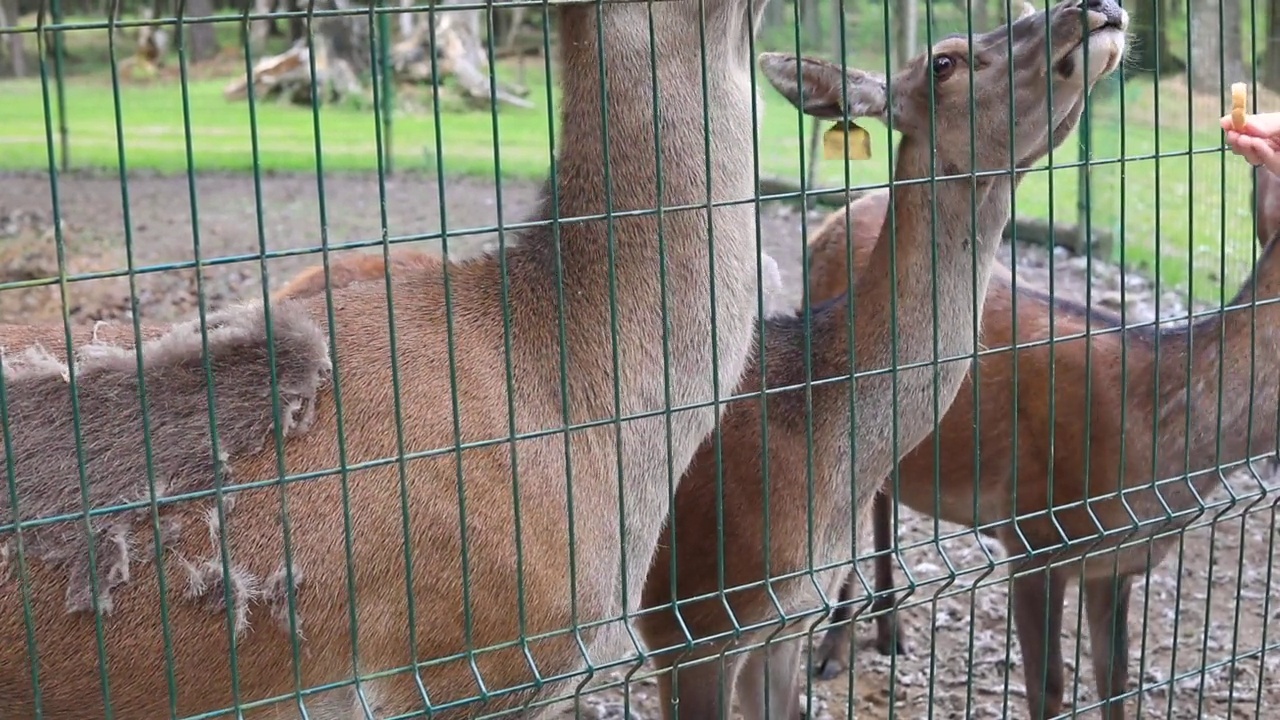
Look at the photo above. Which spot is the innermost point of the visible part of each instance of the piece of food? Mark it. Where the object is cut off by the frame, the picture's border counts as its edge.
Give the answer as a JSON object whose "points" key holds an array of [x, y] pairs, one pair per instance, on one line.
{"points": [[1239, 93], [848, 140]]}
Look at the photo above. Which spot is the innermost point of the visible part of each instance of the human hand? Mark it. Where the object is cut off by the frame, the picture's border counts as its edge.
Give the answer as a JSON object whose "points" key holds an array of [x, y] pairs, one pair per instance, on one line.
{"points": [[1258, 142]]}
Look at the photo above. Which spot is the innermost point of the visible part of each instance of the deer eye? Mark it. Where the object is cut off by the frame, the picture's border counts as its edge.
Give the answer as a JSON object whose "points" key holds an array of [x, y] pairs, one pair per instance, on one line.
{"points": [[943, 65]]}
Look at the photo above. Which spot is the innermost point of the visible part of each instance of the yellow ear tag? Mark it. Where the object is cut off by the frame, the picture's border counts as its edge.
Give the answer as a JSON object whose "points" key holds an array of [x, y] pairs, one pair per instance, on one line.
{"points": [[834, 142]]}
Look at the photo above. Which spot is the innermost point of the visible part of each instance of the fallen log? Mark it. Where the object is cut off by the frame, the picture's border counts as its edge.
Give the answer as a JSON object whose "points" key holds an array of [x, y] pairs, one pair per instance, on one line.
{"points": [[288, 76]]}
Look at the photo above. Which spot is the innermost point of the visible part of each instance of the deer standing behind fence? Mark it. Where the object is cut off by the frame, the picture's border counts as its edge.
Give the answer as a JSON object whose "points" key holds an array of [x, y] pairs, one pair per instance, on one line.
{"points": [[785, 529], [532, 547], [1080, 468]]}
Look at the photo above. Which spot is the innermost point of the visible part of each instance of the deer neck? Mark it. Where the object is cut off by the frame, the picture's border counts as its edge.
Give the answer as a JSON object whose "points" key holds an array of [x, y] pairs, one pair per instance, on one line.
{"points": [[645, 135], [1200, 425], [658, 308], [930, 280], [922, 271]]}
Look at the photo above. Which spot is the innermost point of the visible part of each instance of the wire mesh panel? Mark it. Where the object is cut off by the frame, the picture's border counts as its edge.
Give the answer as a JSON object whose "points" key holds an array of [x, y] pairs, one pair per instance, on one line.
{"points": [[637, 358]]}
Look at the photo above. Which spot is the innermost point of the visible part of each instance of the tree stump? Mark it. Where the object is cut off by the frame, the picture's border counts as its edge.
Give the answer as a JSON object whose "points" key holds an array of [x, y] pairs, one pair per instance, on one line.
{"points": [[341, 45], [288, 76], [459, 53]]}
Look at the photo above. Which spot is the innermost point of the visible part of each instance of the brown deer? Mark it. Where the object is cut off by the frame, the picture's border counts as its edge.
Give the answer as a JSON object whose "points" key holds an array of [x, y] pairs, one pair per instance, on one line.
{"points": [[1249, 388], [746, 560], [454, 547]]}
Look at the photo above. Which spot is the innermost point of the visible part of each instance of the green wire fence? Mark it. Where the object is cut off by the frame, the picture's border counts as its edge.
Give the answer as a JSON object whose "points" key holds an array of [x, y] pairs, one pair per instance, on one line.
{"points": [[181, 162]]}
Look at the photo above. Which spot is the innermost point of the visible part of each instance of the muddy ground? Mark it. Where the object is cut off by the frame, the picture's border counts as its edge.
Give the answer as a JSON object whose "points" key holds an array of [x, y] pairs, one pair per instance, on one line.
{"points": [[1198, 610]]}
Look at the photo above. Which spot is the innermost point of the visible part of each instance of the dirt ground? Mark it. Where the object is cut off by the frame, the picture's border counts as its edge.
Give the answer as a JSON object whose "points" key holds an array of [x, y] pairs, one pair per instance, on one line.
{"points": [[1197, 611]]}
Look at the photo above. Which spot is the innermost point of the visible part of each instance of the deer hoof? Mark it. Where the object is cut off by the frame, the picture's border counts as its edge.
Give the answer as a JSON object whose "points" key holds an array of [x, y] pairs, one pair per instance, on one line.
{"points": [[832, 658], [891, 643]]}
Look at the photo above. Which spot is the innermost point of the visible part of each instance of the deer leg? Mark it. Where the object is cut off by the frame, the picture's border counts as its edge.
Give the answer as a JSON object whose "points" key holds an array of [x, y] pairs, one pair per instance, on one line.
{"points": [[833, 655], [1107, 609], [780, 679], [1037, 618], [693, 691], [888, 631]]}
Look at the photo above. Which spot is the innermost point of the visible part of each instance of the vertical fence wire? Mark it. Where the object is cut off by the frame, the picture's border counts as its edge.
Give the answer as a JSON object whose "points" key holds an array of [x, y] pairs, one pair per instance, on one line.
{"points": [[60, 248], [382, 86], [975, 372], [1013, 386], [278, 434], [154, 510]]}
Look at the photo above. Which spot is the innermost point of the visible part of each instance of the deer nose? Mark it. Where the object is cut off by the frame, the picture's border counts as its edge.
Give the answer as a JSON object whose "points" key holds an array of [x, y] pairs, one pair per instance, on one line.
{"points": [[1110, 9]]}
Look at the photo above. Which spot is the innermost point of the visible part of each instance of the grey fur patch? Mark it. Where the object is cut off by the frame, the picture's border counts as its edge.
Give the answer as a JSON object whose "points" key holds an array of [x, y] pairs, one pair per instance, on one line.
{"points": [[6, 569], [44, 448], [205, 582], [277, 592]]}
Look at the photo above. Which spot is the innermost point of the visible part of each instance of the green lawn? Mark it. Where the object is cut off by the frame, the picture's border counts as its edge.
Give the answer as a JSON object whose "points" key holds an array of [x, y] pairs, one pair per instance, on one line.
{"points": [[1190, 211]]}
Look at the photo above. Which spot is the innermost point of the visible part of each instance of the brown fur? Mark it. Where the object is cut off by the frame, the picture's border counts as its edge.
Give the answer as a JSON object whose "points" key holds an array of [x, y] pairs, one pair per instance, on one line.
{"points": [[800, 518], [354, 267], [43, 445], [1266, 203], [1250, 378], [378, 537]]}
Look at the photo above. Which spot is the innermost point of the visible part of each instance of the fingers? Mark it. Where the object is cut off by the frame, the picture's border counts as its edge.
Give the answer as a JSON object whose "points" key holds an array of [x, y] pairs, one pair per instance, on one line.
{"points": [[1257, 140], [1266, 156], [1255, 151], [1263, 125], [1244, 146]]}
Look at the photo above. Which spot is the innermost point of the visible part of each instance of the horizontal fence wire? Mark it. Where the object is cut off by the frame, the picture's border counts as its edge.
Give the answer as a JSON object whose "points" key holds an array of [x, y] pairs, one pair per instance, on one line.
{"points": [[1004, 438]]}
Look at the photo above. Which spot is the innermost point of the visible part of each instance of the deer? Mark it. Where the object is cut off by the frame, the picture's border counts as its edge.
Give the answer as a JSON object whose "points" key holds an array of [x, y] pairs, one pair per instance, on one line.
{"points": [[746, 561], [477, 543], [1086, 503]]}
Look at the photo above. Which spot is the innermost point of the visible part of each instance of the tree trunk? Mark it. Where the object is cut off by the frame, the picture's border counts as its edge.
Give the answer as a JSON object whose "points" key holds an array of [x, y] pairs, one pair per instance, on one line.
{"points": [[1215, 46], [297, 23], [775, 15], [1150, 46], [811, 23], [462, 54], [908, 31], [980, 12], [17, 47], [153, 44], [346, 36], [407, 20], [202, 43], [341, 46], [269, 27], [1271, 58], [260, 30]]}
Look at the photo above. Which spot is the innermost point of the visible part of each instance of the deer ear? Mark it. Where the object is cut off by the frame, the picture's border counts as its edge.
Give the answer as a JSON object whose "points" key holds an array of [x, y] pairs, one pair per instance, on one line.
{"points": [[818, 88], [1027, 10]]}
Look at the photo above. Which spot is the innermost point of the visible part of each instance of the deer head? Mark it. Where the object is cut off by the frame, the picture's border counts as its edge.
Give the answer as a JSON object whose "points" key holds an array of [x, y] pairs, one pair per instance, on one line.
{"points": [[999, 77]]}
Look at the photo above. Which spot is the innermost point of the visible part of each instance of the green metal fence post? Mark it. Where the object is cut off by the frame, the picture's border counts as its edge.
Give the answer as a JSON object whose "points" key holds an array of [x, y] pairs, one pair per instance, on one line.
{"points": [[1082, 178], [388, 87], [60, 85]]}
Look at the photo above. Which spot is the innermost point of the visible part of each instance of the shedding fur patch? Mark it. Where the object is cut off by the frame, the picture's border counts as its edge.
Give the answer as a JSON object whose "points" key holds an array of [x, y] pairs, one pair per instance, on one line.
{"points": [[277, 592], [111, 426]]}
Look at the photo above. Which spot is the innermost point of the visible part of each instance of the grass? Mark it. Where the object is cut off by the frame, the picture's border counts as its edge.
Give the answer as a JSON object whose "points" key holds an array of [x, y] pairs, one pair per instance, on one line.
{"points": [[1165, 192]]}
